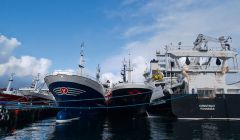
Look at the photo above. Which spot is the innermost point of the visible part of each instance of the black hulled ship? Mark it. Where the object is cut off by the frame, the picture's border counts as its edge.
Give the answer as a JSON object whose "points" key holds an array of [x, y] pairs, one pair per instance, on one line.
{"points": [[204, 93], [165, 82], [128, 99]]}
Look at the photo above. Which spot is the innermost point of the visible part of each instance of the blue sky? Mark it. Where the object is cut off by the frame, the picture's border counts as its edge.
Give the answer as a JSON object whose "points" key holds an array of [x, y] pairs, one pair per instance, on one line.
{"points": [[55, 29], [48, 33]]}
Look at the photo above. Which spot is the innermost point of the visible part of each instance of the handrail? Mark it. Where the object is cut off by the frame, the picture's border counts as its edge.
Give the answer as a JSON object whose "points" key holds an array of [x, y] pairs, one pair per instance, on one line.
{"points": [[213, 48]]}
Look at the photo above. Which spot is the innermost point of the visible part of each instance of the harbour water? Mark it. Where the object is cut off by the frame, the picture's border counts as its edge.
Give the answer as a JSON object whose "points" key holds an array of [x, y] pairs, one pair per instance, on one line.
{"points": [[149, 128]]}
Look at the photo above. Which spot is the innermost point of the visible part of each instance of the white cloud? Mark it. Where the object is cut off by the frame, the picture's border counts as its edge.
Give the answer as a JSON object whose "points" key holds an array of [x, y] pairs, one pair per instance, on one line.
{"points": [[111, 77], [174, 21], [139, 65], [25, 66], [7, 45], [139, 30]]}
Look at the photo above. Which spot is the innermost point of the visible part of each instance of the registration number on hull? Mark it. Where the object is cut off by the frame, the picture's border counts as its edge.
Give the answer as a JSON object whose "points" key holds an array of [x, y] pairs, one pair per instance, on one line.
{"points": [[206, 107]]}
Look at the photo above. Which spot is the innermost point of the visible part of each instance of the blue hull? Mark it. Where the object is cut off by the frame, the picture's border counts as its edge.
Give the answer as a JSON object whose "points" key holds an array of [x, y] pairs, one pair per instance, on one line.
{"points": [[76, 100]]}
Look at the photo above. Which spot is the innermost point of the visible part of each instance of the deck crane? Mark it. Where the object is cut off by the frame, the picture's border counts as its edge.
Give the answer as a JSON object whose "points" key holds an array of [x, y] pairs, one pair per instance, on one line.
{"points": [[203, 40]]}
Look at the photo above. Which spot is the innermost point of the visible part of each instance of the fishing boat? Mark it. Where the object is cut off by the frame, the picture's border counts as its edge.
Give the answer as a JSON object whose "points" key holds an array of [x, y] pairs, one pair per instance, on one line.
{"points": [[204, 94], [164, 81], [36, 94], [11, 96], [77, 94], [24, 104], [127, 98]]}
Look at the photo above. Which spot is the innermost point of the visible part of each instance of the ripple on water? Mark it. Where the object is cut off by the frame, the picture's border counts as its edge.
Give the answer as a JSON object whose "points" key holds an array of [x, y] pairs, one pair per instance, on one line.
{"points": [[153, 128]]}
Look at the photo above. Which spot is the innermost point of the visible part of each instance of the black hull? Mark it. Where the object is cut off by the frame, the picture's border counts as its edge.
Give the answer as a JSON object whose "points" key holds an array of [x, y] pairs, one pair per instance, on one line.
{"points": [[161, 108], [163, 105], [129, 105], [221, 107], [190, 106]]}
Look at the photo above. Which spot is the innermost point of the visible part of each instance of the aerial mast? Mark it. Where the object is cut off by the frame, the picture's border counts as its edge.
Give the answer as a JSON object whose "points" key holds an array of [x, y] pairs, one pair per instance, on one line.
{"points": [[81, 63], [10, 82], [37, 80], [98, 72], [123, 72], [129, 69]]}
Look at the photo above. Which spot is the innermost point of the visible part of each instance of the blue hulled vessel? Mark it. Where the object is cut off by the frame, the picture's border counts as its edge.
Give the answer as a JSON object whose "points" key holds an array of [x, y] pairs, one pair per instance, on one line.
{"points": [[77, 94]]}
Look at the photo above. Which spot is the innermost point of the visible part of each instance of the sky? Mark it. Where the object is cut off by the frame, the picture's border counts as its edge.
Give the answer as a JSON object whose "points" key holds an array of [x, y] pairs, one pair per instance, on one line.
{"points": [[41, 36]]}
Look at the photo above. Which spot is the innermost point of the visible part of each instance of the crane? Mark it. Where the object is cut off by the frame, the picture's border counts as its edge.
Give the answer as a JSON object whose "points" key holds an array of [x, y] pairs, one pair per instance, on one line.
{"points": [[203, 40]]}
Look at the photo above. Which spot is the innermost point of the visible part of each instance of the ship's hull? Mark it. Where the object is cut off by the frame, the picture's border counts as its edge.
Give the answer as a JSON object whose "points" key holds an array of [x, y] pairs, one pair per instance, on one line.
{"points": [[223, 106], [76, 96], [161, 107], [20, 101], [129, 101], [12, 99], [190, 106], [39, 98]]}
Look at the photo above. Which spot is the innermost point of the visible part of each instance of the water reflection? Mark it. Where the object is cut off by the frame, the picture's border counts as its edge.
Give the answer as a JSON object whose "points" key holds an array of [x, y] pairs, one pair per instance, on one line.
{"points": [[161, 128], [79, 129], [206, 129], [132, 129], [152, 128], [38, 130], [104, 129]]}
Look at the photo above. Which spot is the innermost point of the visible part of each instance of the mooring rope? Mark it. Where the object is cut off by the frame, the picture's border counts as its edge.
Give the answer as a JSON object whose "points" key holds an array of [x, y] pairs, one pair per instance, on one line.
{"points": [[65, 107], [26, 106], [80, 100]]}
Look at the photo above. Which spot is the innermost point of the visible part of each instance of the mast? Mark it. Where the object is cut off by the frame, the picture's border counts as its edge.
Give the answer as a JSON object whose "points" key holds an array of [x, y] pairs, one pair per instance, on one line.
{"points": [[98, 72], [146, 72], [129, 69], [123, 72], [158, 55], [37, 80], [81, 65], [10, 82]]}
